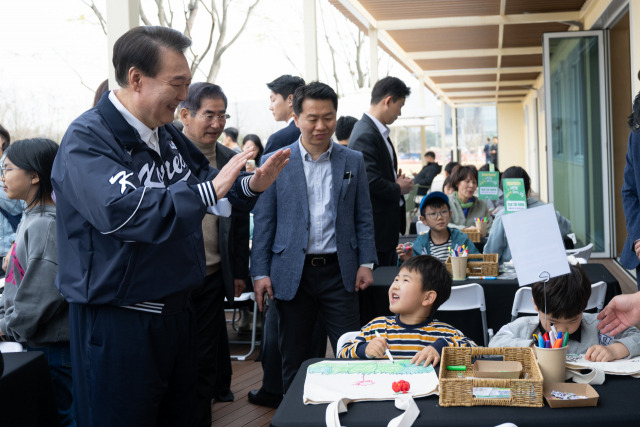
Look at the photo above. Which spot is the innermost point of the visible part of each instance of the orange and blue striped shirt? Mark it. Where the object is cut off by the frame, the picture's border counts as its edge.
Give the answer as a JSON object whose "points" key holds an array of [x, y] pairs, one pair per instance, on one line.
{"points": [[405, 340]]}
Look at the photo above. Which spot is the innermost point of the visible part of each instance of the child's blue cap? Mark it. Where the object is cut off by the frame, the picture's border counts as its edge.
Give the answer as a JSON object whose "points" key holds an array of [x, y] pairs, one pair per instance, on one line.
{"points": [[435, 195]]}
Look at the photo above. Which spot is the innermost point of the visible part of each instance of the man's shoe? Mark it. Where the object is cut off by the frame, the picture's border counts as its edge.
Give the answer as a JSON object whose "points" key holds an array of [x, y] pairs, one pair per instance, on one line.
{"points": [[264, 398], [226, 396]]}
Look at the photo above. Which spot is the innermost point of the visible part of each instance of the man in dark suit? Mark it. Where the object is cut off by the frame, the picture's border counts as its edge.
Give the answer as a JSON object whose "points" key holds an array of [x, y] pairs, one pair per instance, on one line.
{"points": [[226, 239], [313, 244], [387, 184], [280, 98]]}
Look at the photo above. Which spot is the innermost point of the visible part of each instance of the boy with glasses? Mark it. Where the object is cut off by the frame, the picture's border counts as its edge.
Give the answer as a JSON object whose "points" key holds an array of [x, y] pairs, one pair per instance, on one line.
{"points": [[436, 214]]}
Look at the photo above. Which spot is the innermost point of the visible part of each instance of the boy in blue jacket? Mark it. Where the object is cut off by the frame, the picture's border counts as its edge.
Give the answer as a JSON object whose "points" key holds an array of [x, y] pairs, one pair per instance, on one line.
{"points": [[435, 213]]}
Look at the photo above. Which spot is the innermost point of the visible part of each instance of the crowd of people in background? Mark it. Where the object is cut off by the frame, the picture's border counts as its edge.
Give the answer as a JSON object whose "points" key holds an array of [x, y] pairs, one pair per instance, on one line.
{"points": [[122, 243]]}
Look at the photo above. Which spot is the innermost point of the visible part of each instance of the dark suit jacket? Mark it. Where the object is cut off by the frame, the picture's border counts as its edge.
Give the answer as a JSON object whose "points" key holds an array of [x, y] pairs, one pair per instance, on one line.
{"points": [[233, 237], [389, 217], [631, 201], [281, 222], [282, 138]]}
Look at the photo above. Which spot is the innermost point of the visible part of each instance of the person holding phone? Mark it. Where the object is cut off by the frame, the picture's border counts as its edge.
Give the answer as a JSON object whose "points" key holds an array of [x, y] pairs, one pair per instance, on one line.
{"points": [[252, 142]]}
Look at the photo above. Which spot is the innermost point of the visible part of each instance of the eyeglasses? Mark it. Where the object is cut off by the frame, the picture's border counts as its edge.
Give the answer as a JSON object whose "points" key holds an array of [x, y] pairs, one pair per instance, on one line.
{"points": [[211, 117], [435, 215], [3, 170]]}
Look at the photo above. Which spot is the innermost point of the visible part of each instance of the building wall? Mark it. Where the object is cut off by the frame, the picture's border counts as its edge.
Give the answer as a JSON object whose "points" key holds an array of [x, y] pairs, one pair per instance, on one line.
{"points": [[511, 135], [620, 78]]}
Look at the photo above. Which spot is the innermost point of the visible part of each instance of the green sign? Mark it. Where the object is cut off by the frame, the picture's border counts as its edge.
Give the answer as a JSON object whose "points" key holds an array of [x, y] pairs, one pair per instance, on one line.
{"points": [[514, 197], [488, 184]]}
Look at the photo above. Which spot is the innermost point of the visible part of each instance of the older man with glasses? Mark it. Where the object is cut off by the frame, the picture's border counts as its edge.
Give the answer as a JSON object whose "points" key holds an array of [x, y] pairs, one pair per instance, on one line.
{"points": [[226, 247]]}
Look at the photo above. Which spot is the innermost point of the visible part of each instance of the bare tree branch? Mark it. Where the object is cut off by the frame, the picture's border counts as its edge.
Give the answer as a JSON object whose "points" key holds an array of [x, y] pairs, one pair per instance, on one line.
{"points": [[190, 16], [103, 22], [143, 17], [332, 50], [197, 59]]}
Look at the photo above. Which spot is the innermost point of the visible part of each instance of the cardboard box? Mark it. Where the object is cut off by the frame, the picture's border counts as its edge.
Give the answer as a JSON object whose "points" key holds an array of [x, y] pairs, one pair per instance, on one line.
{"points": [[578, 389], [497, 369]]}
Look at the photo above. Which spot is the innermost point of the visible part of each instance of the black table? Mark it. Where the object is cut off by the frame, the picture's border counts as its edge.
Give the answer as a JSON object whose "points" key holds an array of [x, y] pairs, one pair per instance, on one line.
{"points": [[617, 405], [26, 393], [498, 295]]}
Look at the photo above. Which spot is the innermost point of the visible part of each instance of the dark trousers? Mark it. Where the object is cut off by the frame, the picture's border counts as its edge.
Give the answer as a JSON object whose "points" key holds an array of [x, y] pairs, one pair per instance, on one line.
{"points": [[321, 291], [270, 352], [59, 359], [214, 361], [132, 368]]}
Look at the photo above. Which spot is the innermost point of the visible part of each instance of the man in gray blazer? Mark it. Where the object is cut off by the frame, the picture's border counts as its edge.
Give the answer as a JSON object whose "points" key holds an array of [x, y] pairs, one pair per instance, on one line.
{"points": [[313, 244], [204, 114]]}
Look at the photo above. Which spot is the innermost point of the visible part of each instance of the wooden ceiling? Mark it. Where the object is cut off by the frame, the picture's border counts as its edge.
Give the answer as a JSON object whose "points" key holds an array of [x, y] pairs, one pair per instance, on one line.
{"points": [[468, 51]]}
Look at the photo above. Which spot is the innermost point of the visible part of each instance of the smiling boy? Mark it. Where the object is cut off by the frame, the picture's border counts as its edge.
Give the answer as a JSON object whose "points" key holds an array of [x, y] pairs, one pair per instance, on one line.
{"points": [[436, 214], [567, 297], [422, 285]]}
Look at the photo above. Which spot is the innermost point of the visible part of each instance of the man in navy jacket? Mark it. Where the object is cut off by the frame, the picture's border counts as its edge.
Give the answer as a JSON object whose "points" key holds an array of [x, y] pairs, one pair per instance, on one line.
{"points": [[131, 195], [280, 105]]}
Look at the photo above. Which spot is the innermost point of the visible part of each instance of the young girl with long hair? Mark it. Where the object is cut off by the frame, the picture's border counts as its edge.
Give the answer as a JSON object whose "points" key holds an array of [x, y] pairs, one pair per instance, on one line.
{"points": [[32, 311]]}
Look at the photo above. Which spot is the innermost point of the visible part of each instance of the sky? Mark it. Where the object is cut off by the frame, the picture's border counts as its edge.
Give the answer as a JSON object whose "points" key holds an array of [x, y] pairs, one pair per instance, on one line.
{"points": [[53, 56]]}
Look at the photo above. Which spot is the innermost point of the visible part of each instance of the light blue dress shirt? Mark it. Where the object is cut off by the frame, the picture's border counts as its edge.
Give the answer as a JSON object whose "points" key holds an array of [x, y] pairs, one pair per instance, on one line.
{"points": [[322, 231]]}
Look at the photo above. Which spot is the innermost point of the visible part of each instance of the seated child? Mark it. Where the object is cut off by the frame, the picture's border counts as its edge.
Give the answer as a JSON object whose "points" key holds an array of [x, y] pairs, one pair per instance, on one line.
{"points": [[436, 214], [422, 285], [567, 297]]}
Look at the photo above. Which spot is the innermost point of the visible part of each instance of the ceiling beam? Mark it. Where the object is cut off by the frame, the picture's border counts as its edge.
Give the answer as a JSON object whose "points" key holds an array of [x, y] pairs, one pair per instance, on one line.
{"points": [[474, 53], [472, 21], [446, 86], [454, 95], [472, 71]]}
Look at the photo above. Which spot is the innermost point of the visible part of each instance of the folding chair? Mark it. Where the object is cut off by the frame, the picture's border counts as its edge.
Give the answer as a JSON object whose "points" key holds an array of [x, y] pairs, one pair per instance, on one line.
{"points": [[347, 336], [523, 300], [583, 252], [245, 297], [468, 297]]}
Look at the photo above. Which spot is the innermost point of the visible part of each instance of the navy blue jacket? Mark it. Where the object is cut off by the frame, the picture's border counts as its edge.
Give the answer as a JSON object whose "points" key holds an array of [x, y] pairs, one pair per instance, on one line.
{"points": [[282, 138], [631, 201], [129, 222]]}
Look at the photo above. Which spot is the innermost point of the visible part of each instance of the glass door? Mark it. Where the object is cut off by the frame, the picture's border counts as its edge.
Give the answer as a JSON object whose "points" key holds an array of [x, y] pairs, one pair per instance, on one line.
{"points": [[577, 146]]}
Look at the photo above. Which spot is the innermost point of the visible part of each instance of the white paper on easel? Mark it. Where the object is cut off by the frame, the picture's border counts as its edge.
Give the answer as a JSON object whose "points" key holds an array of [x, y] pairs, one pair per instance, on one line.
{"points": [[536, 244]]}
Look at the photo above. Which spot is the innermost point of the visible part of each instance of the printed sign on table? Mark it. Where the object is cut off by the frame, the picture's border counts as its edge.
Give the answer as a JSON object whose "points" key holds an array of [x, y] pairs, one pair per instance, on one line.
{"points": [[488, 185], [515, 198]]}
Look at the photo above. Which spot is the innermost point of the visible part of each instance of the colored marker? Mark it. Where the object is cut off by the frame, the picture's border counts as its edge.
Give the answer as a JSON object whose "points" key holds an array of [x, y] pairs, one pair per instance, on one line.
{"points": [[547, 344], [482, 277], [565, 339], [558, 344], [456, 368], [540, 342], [387, 352]]}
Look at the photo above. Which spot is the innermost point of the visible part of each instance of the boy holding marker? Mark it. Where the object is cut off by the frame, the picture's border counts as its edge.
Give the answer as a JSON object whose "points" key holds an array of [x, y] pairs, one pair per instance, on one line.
{"points": [[435, 212], [566, 298], [422, 285]]}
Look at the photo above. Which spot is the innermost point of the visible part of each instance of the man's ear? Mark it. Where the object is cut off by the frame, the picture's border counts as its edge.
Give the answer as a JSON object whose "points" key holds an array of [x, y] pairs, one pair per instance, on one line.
{"points": [[429, 298], [387, 100], [290, 100], [185, 113], [135, 78]]}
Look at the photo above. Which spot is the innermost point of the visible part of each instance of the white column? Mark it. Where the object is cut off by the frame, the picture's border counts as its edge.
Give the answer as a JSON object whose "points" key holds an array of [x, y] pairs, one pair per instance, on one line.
{"points": [[310, 40], [122, 15], [454, 132], [634, 39], [373, 56]]}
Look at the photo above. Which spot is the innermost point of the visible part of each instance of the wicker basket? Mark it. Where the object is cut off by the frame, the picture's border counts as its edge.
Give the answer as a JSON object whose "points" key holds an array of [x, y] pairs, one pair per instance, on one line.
{"points": [[473, 233], [478, 265], [457, 390]]}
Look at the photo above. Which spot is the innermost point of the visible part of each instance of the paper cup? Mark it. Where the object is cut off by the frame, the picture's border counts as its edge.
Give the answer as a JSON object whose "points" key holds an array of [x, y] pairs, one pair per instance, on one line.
{"points": [[552, 362], [482, 228], [459, 267]]}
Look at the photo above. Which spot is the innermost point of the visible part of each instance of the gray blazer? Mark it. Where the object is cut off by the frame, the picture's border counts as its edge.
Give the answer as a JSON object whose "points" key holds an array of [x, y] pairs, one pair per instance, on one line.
{"points": [[281, 222]]}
